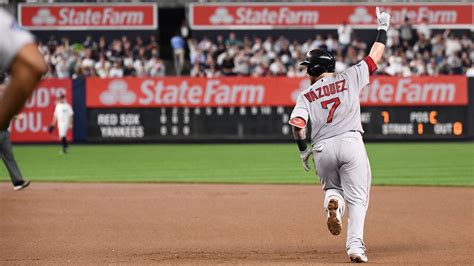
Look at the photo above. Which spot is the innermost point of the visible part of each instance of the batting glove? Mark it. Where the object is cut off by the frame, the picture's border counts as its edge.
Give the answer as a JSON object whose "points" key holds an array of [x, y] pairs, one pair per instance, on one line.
{"points": [[383, 19], [304, 155]]}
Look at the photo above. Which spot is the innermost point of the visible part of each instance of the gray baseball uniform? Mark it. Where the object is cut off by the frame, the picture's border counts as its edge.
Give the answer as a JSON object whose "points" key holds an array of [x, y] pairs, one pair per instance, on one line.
{"points": [[332, 106], [6, 152], [12, 40]]}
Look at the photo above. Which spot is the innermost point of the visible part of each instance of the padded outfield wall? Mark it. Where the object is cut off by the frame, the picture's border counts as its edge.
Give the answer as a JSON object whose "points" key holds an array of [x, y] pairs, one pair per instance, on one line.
{"points": [[174, 109]]}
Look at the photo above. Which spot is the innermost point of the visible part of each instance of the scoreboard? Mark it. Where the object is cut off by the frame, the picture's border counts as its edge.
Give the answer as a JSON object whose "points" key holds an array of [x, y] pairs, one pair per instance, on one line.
{"points": [[263, 123], [414, 122], [177, 109]]}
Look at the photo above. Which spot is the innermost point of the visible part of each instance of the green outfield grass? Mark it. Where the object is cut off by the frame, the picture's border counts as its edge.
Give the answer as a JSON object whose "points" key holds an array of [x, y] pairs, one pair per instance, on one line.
{"points": [[450, 164]]}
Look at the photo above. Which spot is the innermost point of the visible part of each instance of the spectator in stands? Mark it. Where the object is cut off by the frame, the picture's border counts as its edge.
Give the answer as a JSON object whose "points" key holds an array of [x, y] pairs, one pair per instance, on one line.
{"points": [[155, 67], [139, 47], [317, 42], [227, 65], [178, 45], [205, 44], [102, 66], [184, 30], [470, 71], [452, 43], [406, 31], [152, 43], [87, 63], [52, 44], [393, 37], [424, 29], [129, 69], [242, 64], [422, 45], [89, 43], [277, 68], [102, 45], [258, 56], [345, 35], [196, 71], [331, 43], [116, 71], [418, 66], [359, 45], [232, 40], [139, 66], [61, 68]]}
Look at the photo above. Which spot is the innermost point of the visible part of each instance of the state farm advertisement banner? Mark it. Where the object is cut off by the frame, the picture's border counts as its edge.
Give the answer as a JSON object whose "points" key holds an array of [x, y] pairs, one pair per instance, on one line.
{"points": [[309, 15], [92, 16], [32, 123], [278, 91]]}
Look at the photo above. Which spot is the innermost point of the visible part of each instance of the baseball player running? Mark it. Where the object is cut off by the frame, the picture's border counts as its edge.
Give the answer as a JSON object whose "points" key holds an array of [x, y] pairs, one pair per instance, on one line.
{"points": [[6, 150], [331, 106], [63, 118], [20, 57]]}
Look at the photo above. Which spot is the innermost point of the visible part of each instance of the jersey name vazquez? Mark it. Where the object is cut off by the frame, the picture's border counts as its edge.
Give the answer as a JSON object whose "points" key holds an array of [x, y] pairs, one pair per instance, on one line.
{"points": [[326, 90]]}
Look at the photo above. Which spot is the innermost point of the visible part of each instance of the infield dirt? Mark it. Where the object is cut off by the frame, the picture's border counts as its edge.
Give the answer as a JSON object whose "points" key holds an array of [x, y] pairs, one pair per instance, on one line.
{"points": [[202, 224]]}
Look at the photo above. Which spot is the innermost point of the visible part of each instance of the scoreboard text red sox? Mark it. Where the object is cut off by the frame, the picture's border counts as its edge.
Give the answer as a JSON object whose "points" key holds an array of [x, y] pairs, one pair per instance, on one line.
{"points": [[199, 109]]}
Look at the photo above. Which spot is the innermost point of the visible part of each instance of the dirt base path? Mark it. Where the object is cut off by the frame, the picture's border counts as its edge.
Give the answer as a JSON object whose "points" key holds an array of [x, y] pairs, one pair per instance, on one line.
{"points": [[150, 223]]}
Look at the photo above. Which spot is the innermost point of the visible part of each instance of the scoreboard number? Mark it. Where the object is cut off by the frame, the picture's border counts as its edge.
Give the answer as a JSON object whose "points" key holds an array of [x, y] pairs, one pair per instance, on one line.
{"points": [[264, 123]]}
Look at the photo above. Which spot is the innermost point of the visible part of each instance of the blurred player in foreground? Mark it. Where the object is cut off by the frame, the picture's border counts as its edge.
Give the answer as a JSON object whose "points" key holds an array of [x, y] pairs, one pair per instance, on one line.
{"points": [[20, 57], [332, 106], [6, 150], [63, 118]]}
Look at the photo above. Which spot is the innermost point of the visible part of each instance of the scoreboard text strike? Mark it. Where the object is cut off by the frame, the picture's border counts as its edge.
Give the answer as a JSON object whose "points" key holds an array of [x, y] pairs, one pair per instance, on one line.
{"points": [[256, 109]]}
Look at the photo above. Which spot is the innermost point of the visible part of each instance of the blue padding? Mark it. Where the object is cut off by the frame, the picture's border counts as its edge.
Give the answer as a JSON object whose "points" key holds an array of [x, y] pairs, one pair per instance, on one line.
{"points": [[80, 110]]}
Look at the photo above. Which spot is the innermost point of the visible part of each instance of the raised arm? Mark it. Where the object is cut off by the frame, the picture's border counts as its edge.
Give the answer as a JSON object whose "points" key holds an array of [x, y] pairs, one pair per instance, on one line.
{"points": [[383, 20]]}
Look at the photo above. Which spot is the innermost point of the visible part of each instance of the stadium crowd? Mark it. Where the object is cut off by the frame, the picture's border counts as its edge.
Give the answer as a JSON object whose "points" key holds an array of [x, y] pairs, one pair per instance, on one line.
{"points": [[119, 58], [411, 52]]}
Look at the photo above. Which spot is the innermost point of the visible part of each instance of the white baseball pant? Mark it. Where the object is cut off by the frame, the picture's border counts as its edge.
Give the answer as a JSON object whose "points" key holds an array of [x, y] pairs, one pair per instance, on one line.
{"points": [[344, 170]]}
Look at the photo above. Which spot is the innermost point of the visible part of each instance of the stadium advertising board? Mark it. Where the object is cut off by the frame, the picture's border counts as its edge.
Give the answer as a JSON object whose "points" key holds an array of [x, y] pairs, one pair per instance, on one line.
{"points": [[312, 15], [33, 121], [279, 91], [93, 16], [258, 109]]}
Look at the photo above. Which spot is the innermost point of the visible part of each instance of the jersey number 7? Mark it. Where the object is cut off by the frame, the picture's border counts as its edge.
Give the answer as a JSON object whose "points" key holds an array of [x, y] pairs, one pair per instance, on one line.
{"points": [[325, 104]]}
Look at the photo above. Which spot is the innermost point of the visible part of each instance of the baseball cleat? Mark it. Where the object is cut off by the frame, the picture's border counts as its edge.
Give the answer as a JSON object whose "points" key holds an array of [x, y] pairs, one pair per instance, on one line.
{"points": [[359, 258], [22, 185], [334, 217]]}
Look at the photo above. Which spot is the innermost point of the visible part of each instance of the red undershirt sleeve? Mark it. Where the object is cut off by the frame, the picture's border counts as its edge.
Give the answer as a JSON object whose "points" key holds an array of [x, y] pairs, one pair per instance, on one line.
{"points": [[371, 64]]}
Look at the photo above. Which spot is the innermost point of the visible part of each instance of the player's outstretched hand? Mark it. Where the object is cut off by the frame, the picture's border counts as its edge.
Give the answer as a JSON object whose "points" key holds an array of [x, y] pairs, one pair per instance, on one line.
{"points": [[51, 129], [383, 19], [304, 155]]}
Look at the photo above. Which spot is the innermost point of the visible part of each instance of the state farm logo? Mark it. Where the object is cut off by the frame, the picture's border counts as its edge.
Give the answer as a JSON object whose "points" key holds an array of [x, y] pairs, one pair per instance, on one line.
{"points": [[262, 15], [361, 16], [411, 91], [445, 15], [221, 16], [92, 16], [43, 17], [118, 93]]}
